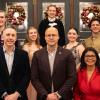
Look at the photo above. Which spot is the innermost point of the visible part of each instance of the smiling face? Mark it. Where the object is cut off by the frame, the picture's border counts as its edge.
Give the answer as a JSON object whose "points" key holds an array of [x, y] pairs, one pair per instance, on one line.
{"points": [[90, 58], [51, 11], [9, 37], [2, 19], [72, 35], [32, 34], [95, 27], [51, 36]]}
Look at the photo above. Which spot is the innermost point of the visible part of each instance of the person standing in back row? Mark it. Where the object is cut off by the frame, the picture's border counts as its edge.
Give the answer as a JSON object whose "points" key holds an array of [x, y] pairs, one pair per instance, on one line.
{"points": [[51, 20], [3, 21], [94, 39], [2, 24]]}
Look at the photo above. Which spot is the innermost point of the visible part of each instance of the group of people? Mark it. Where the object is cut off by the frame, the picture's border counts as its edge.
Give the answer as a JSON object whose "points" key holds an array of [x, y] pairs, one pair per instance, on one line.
{"points": [[49, 69]]}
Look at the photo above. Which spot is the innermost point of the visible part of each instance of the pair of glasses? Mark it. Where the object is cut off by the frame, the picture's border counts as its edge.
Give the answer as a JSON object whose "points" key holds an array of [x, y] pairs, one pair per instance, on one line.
{"points": [[90, 56], [51, 35]]}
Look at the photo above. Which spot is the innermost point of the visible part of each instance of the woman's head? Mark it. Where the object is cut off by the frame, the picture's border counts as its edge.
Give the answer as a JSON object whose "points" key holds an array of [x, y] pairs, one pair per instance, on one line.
{"points": [[2, 18], [90, 57], [32, 35], [72, 35], [51, 11]]}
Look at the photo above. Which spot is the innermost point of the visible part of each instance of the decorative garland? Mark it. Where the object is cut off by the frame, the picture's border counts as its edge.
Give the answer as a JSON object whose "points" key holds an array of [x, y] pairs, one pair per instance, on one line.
{"points": [[88, 13], [59, 13], [15, 15]]}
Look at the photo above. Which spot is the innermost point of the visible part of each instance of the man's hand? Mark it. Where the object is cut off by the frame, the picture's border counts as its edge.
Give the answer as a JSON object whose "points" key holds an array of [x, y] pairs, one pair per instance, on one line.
{"points": [[52, 96], [13, 96]]}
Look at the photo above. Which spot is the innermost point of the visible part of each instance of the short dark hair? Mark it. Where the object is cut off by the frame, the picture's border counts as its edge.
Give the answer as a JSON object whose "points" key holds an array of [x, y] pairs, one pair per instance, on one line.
{"points": [[74, 29], [93, 19], [83, 64]]}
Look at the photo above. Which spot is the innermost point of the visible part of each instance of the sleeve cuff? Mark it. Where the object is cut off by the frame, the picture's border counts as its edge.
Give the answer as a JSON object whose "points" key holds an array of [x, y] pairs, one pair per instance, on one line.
{"points": [[58, 95], [4, 95], [18, 94]]}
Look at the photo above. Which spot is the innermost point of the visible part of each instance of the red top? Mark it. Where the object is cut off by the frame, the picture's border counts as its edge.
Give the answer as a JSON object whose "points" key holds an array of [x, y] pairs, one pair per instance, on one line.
{"points": [[87, 90]]}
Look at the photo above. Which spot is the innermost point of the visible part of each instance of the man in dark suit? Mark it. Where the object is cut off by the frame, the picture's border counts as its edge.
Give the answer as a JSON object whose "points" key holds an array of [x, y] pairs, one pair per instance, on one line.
{"points": [[53, 71], [14, 68]]}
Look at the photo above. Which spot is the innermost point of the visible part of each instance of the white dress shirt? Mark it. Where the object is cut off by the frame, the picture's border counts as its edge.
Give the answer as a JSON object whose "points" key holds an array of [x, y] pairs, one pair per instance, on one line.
{"points": [[9, 59]]}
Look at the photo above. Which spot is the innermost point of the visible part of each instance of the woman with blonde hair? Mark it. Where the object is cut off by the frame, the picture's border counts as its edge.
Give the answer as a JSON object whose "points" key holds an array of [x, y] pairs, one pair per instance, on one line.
{"points": [[31, 45], [52, 19], [32, 42]]}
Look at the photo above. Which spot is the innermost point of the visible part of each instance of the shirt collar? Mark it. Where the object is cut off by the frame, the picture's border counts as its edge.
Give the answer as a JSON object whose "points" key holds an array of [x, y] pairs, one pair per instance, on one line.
{"points": [[5, 50], [53, 52], [51, 19]]}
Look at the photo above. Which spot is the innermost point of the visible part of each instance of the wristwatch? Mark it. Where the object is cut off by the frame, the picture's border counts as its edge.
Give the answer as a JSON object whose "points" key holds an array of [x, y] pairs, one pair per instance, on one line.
{"points": [[58, 95]]}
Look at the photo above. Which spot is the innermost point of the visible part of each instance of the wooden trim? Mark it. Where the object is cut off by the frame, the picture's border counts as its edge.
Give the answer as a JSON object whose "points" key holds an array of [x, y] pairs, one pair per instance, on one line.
{"points": [[35, 13], [71, 13]]}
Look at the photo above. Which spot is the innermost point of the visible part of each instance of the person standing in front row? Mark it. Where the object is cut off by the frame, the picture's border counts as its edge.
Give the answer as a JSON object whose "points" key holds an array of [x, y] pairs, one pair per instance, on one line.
{"points": [[51, 20], [14, 68], [53, 70], [88, 76]]}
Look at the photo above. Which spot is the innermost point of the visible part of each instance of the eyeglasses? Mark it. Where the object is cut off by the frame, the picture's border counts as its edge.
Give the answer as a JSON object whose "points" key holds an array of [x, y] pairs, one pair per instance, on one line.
{"points": [[90, 56], [51, 35]]}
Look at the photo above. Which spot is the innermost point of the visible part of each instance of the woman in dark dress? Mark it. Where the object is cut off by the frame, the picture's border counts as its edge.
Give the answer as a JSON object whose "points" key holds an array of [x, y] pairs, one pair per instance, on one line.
{"points": [[51, 20]]}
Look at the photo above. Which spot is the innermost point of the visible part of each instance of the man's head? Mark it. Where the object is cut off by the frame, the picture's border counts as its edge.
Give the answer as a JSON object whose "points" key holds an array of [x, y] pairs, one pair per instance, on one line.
{"points": [[51, 36], [9, 37], [94, 25], [2, 18]]}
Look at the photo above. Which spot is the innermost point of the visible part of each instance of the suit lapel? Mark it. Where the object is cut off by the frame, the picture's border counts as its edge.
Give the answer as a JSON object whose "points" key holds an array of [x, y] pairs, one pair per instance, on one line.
{"points": [[14, 61], [56, 60], [46, 61], [4, 64]]}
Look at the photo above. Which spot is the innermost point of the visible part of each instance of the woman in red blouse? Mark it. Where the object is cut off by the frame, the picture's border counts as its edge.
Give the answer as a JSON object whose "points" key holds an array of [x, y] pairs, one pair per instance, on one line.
{"points": [[88, 79]]}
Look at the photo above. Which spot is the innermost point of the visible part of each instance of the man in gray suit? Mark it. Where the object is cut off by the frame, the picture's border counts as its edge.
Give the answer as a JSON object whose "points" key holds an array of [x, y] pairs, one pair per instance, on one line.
{"points": [[53, 69]]}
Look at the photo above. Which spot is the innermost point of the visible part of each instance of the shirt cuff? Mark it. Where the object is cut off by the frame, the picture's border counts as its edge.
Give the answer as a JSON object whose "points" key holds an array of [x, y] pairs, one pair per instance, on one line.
{"points": [[19, 96], [4, 95], [58, 95]]}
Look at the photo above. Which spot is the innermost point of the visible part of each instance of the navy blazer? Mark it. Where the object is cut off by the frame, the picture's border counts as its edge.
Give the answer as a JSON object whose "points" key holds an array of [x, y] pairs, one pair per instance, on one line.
{"points": [[63, 77], [19, 78]]}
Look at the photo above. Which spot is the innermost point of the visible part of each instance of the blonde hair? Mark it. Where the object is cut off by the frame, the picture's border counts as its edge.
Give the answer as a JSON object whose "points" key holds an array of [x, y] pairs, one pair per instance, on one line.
{"points": [[28, 40], [51, 5], [2, 11]]}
